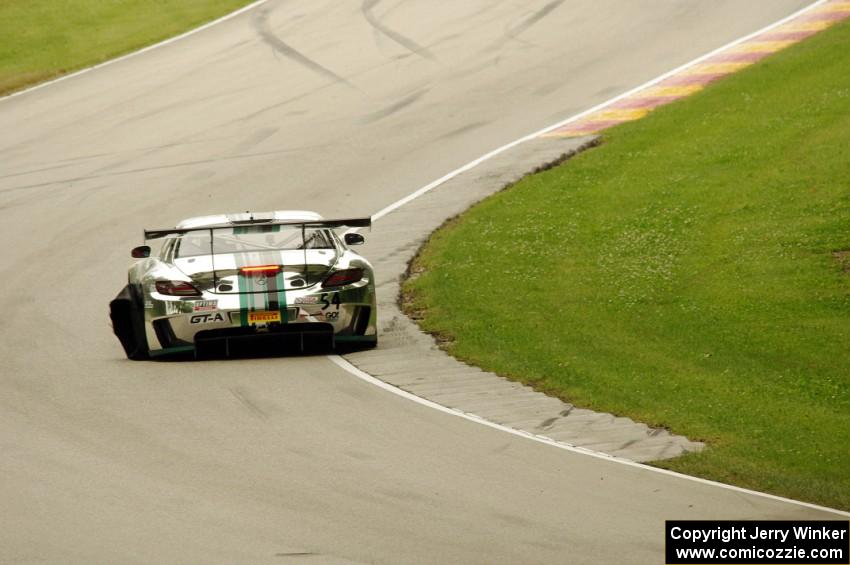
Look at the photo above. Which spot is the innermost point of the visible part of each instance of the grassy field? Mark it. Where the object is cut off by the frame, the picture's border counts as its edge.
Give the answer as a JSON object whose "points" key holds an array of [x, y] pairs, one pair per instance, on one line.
{"points": [[691, 272], [46, 38]]}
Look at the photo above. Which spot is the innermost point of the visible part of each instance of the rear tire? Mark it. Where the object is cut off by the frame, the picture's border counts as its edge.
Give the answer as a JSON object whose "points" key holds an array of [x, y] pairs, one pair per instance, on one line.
{"points": [[128, 323]]}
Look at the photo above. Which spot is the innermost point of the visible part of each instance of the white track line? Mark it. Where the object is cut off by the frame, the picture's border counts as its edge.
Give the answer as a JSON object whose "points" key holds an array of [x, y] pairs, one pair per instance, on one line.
{"points": [[347, 366], [139, 52]]}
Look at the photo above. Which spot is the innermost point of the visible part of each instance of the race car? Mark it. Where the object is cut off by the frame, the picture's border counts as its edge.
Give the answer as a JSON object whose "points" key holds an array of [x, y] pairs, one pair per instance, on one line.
{"points": [[258, 282]]}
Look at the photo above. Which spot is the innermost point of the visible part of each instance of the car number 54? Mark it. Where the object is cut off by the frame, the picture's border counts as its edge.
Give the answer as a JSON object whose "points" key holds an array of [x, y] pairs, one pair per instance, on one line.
{"points": [[326, 303]]}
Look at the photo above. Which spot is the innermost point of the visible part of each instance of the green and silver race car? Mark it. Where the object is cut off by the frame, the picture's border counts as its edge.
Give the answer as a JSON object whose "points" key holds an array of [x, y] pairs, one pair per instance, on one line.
{"points": [[222, 285]]}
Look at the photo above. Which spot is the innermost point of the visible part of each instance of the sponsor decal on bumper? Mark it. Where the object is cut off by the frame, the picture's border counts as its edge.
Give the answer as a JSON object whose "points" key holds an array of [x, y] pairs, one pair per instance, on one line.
{"points": [[205, 306], [262, 317]]}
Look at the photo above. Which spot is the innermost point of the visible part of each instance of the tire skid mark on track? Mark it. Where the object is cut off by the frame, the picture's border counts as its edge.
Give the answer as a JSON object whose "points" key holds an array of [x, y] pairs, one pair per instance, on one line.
{"points": [[261, 24], [464, 129], [107, 173], [367, 8], [396, 106], [532, 19], [240, 394]]}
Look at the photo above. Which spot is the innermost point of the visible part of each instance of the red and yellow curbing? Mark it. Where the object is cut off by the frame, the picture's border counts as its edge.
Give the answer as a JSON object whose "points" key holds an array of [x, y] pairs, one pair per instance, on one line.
{"points": [[695, 77]]}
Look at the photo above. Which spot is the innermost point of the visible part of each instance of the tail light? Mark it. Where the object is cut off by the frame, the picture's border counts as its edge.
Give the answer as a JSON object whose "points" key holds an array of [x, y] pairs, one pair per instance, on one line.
{"points": [[264, 269], [343, 277], [176, 288]]}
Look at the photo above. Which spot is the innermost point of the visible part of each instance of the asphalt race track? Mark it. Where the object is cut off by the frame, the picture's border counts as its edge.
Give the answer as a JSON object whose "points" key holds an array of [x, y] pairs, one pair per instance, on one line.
{"points": [[343, 108]]}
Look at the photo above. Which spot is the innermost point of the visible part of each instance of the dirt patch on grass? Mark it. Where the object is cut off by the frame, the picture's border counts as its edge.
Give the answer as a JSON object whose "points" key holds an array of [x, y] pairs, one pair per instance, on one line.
{"points": [[843, 258], [12, 82]]}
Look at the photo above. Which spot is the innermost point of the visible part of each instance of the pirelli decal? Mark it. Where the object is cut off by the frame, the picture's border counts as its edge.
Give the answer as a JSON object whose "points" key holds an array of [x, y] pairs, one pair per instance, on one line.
{"points": [[259, 292]]}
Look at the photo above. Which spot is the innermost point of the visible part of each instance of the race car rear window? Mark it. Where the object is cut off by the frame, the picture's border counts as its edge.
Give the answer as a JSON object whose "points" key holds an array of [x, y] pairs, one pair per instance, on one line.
{"points": [[242, 239]]}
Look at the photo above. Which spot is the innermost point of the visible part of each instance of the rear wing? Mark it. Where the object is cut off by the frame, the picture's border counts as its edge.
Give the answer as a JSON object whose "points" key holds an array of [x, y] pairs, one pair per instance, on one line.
{"points": [[313, 224]]}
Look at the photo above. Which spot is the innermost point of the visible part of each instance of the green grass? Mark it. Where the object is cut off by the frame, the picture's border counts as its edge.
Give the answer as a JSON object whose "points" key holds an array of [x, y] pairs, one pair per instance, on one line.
{"points": [[42, 39], [686, 273]]}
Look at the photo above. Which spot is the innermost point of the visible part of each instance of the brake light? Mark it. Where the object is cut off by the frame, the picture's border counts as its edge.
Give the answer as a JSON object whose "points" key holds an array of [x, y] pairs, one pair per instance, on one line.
{"points": [[343, 277], [176, 288], [266, 269]]}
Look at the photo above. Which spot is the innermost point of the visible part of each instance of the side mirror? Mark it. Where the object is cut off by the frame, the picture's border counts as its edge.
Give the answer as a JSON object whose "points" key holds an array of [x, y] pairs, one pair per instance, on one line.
{"points": [[354, 239], [141, 252]]}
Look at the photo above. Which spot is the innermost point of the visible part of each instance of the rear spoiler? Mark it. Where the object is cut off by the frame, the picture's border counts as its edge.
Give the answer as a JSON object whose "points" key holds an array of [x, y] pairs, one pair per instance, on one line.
{"points": [[331, 224]]}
